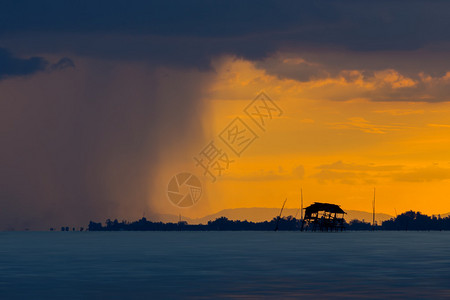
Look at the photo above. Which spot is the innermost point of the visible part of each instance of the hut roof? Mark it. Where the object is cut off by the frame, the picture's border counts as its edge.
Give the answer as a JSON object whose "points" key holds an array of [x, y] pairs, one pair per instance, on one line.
{"points": [[332, 208]]}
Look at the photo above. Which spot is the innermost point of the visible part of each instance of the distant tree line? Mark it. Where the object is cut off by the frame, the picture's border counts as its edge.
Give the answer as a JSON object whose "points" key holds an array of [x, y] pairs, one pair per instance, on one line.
{"points": [[222, 223], [406, 221], [409, 220]]}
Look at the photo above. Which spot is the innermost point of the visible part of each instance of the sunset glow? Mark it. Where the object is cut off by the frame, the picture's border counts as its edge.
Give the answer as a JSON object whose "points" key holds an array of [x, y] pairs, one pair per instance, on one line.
{"points": [[99, 119], [335, 139]]}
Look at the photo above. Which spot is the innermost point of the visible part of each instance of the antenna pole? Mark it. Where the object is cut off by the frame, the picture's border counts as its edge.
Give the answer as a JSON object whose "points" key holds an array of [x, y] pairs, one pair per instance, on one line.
{"points": [[373, 209], [301, 206]]}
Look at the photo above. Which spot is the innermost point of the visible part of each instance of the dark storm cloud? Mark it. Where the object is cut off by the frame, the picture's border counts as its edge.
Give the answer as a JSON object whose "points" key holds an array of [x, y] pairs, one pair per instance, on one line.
{"points": [[189, 33], [166, 18], [63, 63], [11, 66], [168, 32]]}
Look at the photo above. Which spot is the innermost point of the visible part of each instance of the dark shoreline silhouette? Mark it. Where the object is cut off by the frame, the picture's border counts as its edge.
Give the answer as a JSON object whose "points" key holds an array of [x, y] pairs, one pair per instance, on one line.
{"points": [[406, 221]]}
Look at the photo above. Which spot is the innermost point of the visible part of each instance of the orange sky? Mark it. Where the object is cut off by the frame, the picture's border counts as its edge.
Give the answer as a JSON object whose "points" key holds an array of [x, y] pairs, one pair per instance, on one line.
{"points": [[99, 115], [334, 139]]}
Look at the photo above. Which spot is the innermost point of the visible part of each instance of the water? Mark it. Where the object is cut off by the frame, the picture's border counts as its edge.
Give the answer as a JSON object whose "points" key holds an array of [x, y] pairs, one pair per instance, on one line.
{"points": [[197, 265]]}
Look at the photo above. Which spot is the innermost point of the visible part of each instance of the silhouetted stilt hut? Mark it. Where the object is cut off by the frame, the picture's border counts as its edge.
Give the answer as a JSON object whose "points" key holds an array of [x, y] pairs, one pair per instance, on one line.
{"points": [[323, 217]]}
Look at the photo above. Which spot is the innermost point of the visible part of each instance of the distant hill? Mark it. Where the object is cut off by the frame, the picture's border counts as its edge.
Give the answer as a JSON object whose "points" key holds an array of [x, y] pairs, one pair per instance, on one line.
{"points": [[366, 216], [261, 214]]}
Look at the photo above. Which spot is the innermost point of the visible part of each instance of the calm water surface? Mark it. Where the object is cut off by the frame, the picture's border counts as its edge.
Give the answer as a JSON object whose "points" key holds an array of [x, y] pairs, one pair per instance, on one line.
{"points": [[193, 265]]}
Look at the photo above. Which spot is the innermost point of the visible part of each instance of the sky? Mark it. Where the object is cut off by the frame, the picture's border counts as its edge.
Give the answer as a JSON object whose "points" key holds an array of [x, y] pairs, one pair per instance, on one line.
{"points": [[104, 102]]}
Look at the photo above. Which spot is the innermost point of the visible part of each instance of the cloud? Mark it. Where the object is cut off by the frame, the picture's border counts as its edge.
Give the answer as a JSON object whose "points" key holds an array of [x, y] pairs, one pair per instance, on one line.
{"points": [[400, 112], [364, 125], [11, 66], [340, 51], [191, 33], [63, 63], [439, 125], [343, 177], [352, 173], [427, 174], [299, 172], [339, 165], [293, 68], [268, 175], [332, 80]]}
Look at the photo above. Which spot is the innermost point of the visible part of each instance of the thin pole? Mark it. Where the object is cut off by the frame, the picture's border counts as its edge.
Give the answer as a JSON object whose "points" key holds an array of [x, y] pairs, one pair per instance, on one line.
{"points": [[373, 209], [301, 209], [278, 219]]}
